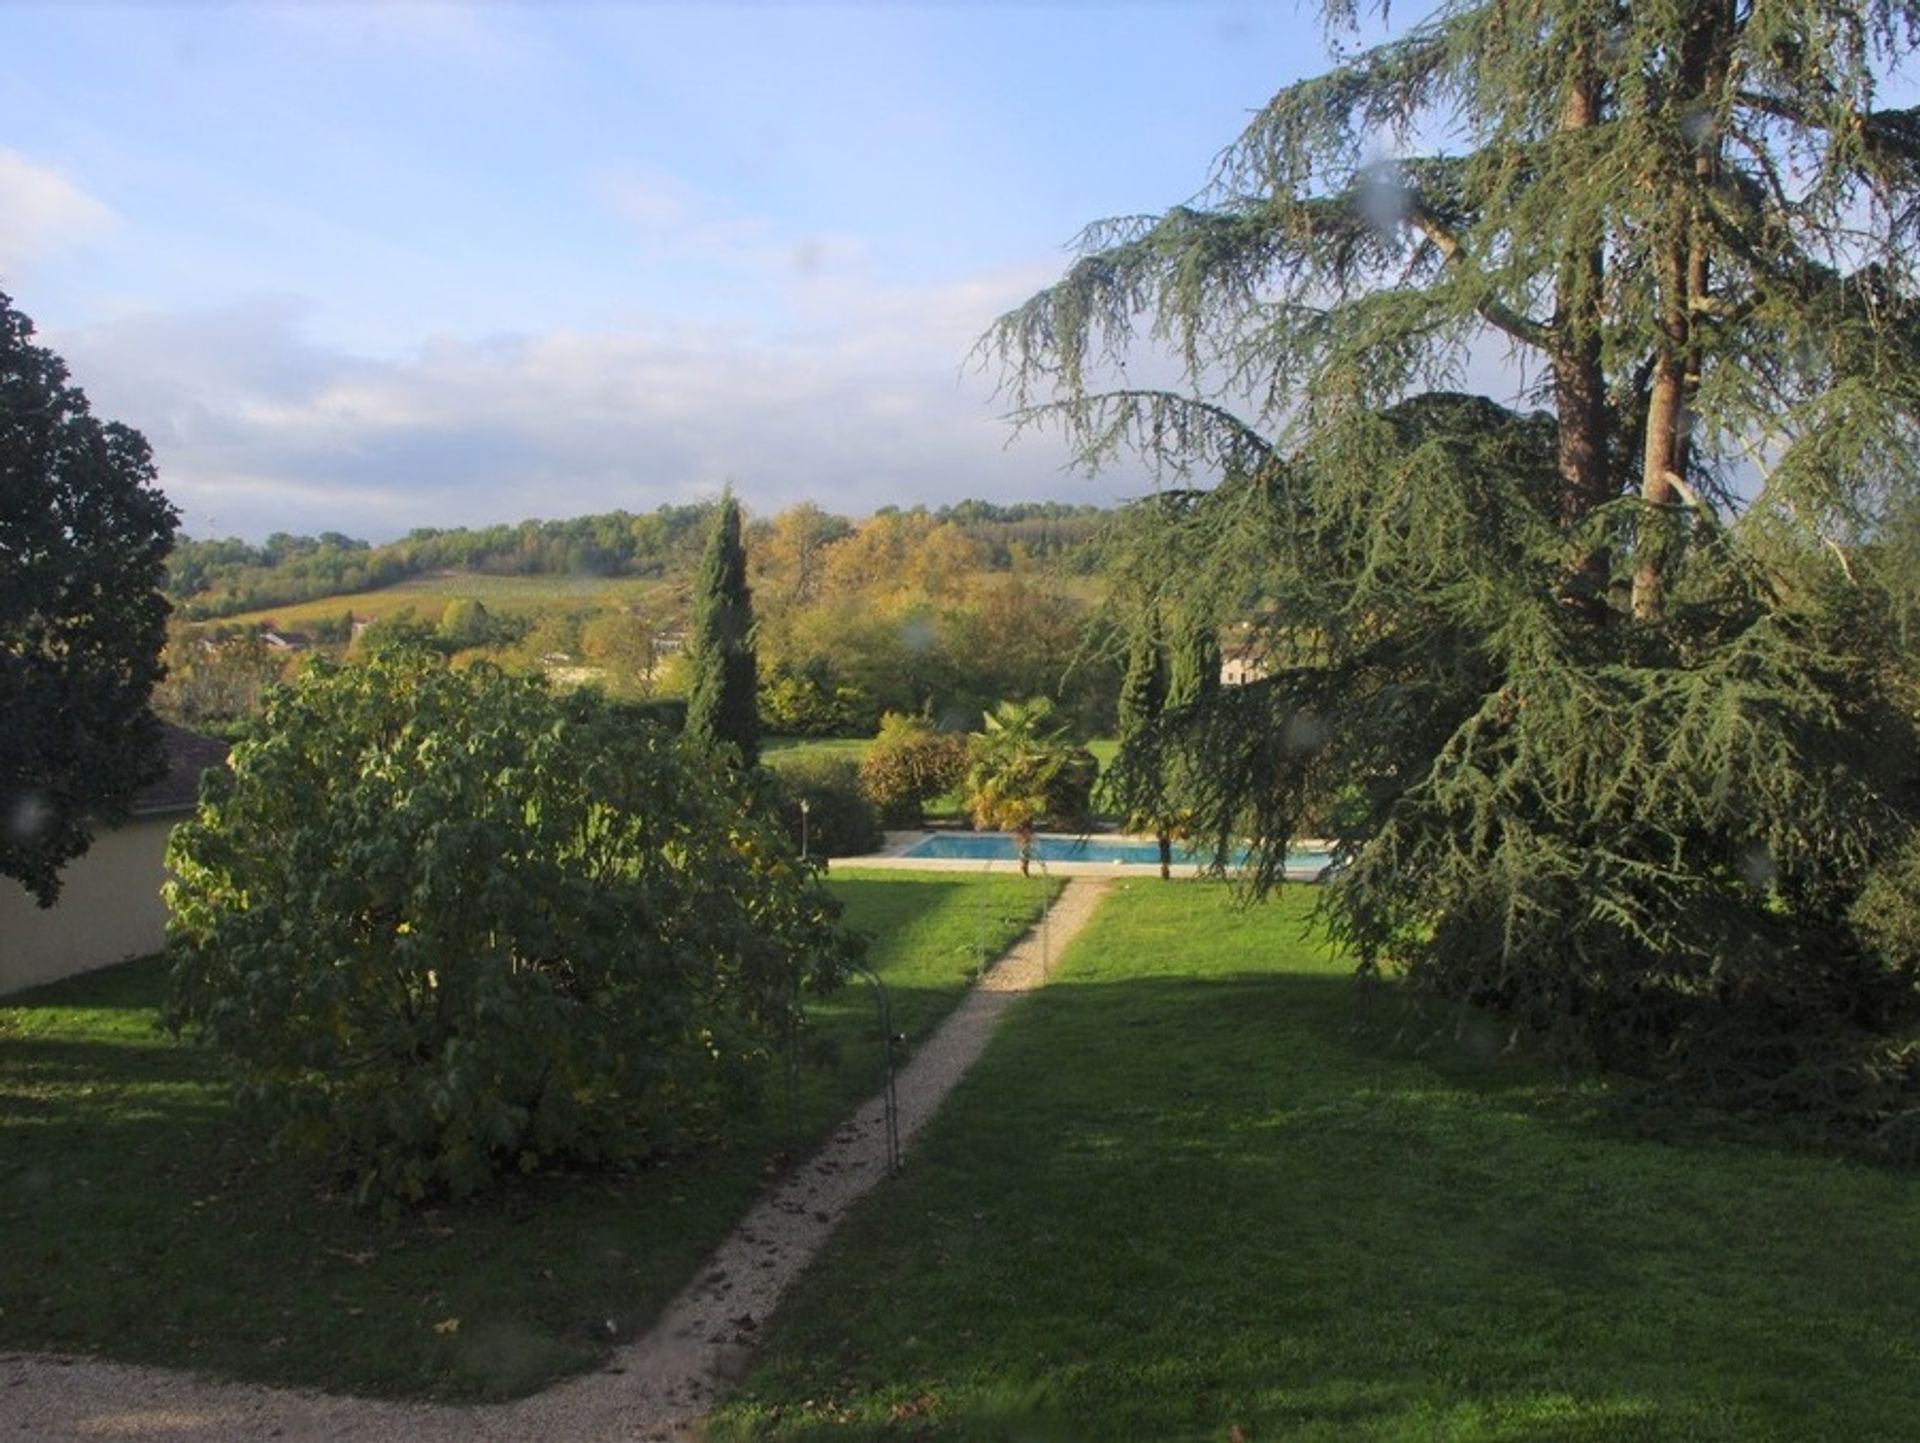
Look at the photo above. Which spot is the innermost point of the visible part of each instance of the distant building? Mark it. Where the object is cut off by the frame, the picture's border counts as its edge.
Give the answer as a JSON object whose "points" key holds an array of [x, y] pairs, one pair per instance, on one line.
{"points": [[109, 909], [1240, 664]]}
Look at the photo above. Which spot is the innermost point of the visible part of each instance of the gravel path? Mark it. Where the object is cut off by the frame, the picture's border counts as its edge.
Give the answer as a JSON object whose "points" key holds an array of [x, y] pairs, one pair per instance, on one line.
{"points": [[655, 1388]]}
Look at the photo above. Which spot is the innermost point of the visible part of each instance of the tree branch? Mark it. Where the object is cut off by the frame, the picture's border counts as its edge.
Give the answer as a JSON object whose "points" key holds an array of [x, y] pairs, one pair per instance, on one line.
{"points": [[1521, 328]]}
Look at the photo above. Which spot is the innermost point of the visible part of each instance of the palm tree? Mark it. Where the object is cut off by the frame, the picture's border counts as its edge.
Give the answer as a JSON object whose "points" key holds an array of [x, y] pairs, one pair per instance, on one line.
{"points": [[1017, 759]]}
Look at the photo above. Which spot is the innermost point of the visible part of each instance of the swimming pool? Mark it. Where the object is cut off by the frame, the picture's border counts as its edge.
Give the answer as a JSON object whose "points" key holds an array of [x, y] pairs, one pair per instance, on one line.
{"points": [[1001, 847]]}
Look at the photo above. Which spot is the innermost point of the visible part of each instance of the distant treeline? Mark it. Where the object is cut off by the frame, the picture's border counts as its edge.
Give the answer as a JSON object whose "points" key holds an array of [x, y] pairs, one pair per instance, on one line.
{"points": [[1042, 530], [209, 579]]}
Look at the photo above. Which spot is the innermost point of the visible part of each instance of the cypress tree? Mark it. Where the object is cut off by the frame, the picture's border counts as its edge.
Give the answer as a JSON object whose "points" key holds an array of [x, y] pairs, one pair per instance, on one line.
{"points": [[1143, 697], [1143, 690], [1193, 672], [722, 703]]}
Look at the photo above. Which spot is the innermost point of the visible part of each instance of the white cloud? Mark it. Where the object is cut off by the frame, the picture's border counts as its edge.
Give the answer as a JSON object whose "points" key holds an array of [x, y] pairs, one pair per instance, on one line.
{"points": [[42, 211], [257, 429]]}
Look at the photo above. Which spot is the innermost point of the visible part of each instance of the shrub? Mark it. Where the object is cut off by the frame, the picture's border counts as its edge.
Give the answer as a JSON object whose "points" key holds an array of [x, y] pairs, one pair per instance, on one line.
{"points": [[908, 765], [450, 924], [809, 701], [465, 623], [400, 631], [667, 712], [840, 821]]}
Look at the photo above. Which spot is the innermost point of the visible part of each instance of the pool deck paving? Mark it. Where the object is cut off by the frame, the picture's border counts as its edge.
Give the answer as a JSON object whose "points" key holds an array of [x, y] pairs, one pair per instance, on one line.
{"points": [[657, 1388]]}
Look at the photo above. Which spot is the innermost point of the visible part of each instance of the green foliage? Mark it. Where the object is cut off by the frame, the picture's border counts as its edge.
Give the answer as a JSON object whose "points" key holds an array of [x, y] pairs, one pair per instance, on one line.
{"points": [[1643, 842], [84, 534], [556, 634], [1139, 788], [1143, 689], [909, 764], [1618, 733], [450, 925], [1069, 797], [721, 709], [1167, 674], [333, 630], [936, 611], [667, 712], [1021, 774], [623, 646], [225, 577], [838, 820], [1886, 914], [1193, 669], [1021, 636], [399, 631], [214, 682], [466, 623], [810, 701]]}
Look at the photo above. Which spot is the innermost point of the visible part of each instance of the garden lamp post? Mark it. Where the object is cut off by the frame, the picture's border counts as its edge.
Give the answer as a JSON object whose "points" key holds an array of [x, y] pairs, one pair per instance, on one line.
{"points": [[805, 807]]}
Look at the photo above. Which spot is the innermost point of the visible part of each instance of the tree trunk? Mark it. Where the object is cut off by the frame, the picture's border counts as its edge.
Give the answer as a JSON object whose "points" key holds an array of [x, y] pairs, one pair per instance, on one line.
{"points": [[1665, 437], [1579, 381], [1683, 278]]}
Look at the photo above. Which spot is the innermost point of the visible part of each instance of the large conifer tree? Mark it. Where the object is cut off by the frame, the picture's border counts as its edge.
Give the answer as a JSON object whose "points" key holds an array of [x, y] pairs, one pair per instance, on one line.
{"points": [[722, 701], [1618, 681]]}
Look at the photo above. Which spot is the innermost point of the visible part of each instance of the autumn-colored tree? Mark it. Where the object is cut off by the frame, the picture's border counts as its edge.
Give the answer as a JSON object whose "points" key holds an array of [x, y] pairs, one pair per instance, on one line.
{"points": [[909, 763]]}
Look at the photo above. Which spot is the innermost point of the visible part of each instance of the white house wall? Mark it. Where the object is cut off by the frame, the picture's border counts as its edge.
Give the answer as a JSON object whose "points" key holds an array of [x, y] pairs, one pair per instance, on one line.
{"points": [[109, 909]]}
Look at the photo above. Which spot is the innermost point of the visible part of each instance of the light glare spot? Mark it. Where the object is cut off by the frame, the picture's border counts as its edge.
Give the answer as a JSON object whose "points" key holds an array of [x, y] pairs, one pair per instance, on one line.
{"points": [[29, 816]]}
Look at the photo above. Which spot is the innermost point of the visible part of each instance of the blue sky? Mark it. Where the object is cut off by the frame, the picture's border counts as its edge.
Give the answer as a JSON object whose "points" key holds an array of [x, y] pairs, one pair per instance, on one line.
{"points": [[366, 267]]}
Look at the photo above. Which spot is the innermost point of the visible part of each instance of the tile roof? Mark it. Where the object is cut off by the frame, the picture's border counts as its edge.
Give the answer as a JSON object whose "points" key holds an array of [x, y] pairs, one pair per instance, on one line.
{"points": [[188, 755]]}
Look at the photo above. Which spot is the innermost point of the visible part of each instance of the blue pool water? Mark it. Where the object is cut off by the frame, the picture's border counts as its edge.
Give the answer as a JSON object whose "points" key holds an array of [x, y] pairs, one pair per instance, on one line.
{"points": [[1001, 847]]}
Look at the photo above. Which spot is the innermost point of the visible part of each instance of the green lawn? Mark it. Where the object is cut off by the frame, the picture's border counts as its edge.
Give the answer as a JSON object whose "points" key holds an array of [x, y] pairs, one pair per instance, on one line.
{"points": [[427, 597], [1200, 1187], [141, 1223], [812, 748]]}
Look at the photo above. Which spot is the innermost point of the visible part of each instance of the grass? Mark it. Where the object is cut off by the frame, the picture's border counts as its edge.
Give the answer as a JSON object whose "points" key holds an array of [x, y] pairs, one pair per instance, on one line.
{"points": [[427, 597], [1202, 1188], [795, 749], [142, 1221]]}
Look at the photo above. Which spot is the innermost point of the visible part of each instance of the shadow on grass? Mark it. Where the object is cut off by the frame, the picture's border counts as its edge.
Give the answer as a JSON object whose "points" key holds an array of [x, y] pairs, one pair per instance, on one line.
{"points": [[145, 1221], [1172, 1206]]}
